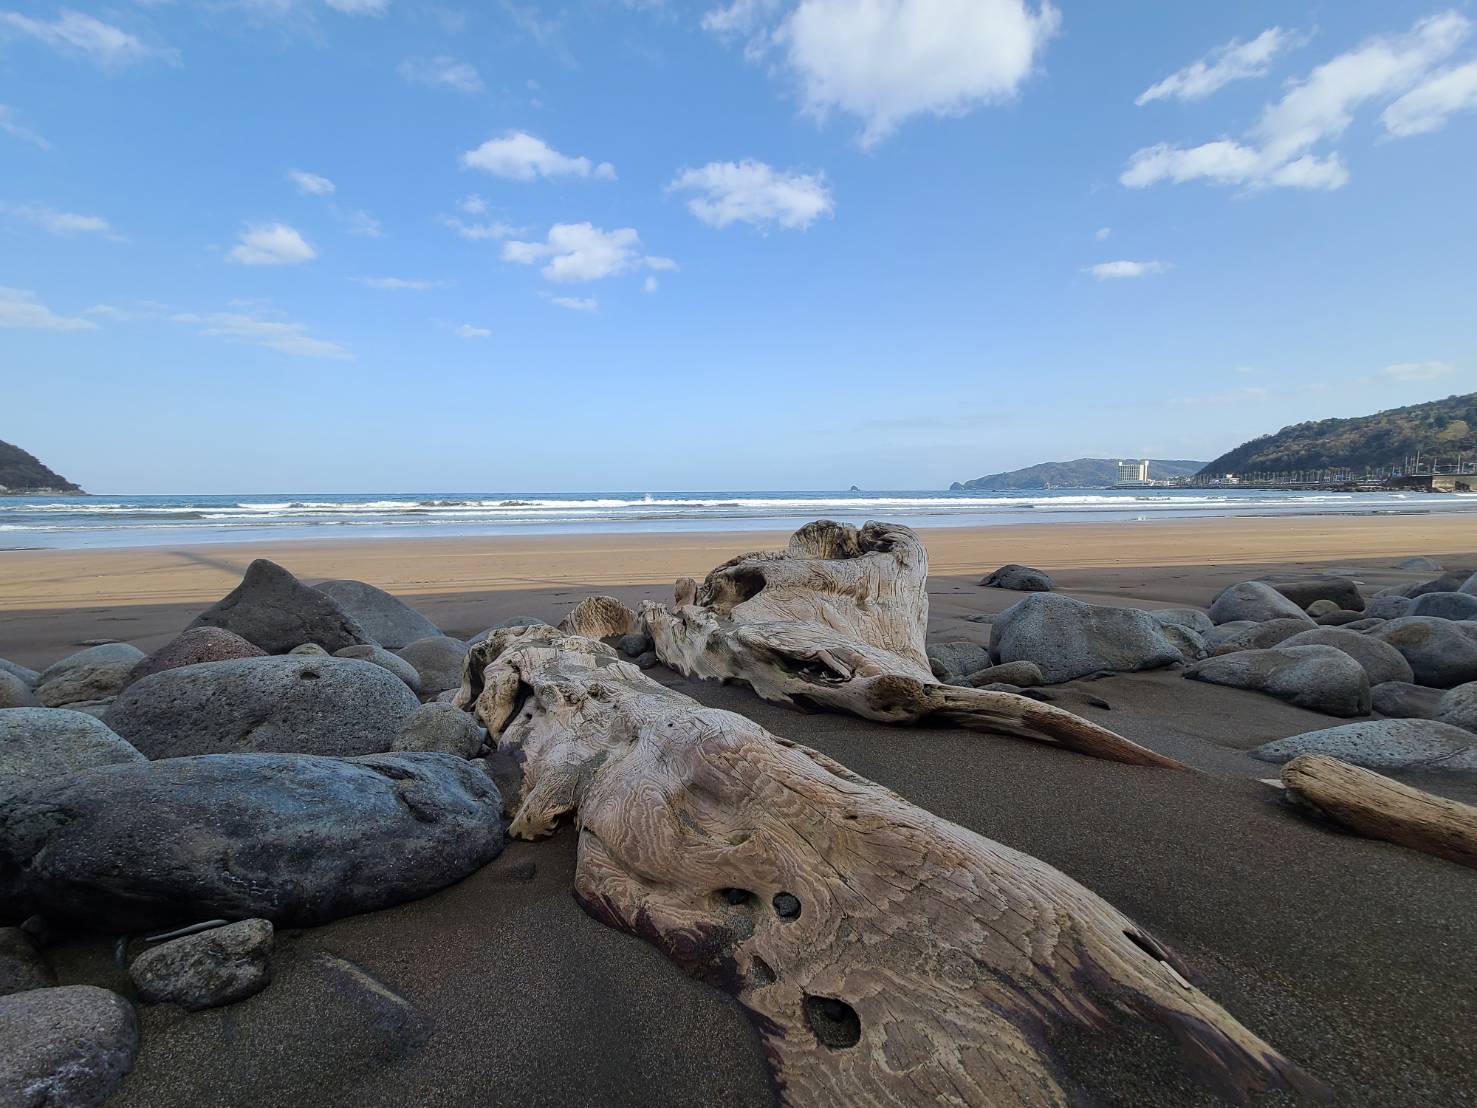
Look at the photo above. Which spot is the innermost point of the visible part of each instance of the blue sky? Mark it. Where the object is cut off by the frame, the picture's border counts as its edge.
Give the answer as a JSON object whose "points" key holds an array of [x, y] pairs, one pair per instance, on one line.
{"points": [[351, 245]]}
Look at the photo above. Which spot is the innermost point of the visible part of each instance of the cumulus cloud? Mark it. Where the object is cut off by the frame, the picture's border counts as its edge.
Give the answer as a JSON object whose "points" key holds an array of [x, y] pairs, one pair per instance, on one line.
{"points": [[467, 331], [1426, 107], [1417, 371], [752, 192], [260, 330], [584, 252], [576, 303], [311, 184], [1117, 271], [396, 284], [1234, 61], [520, 156], [103, 44], [12, 127], [442, 70], [1280, 149], [887, 61], [64, 224], [20, 309], [271, 244]]}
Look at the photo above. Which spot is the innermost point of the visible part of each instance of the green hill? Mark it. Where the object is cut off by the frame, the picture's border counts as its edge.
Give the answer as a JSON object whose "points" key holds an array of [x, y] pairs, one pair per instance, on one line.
{"points": [[1438, 431], [21, 473], [1080, 473]]}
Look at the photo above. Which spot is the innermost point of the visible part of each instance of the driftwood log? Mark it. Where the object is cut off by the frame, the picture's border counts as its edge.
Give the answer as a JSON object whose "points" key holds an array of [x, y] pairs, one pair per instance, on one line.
{"points": [[838, 621], [888, 957], [1372, 805]]}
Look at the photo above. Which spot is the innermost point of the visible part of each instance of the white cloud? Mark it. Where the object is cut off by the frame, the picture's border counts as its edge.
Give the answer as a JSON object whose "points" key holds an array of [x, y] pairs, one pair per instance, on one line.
{"points": [[752, 192], [359, 7], [576, 303], [583, 252], [649, 285], [1103, 233], [1279, 150], [441, 70], [1115, 271], [15, 130], [467, 331], [479, 232], [1426, 107], [472, 204], [886, 61], [1234, 61], [19, 308], [1417, 371], [64, 224], [310, 184], [271, 244], [359, 222], [394, 284], [101, 43], [522, 157], [276, 334]]}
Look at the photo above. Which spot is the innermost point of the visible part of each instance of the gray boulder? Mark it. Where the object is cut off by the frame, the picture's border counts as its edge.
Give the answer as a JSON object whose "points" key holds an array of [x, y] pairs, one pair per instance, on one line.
{"points": [[208, 969], [1192, 618], [1256, 601], [1191, 643], [274, 610], [21, 964], [15, 693], [39, 743], [1366, 624], [1019, 579], [389, 620], [293, 838], [299, 705], [29, 676], [1304, 589], [1459, 707], [442, 729], [1444, 605], [1419, 564], [1019, 675], [1439, 652], [635, 644], [1067, 638], [1383, 744], [1319, 678], [1469, 586], [1320, 608], [1338, 618], [379, 656], [1403, 700], [1387, 607], [950, 660], [64, 1048], [96, 673], [1450, 581], [1380, 660], [438, 660], [189, 648], [1255, 636]]}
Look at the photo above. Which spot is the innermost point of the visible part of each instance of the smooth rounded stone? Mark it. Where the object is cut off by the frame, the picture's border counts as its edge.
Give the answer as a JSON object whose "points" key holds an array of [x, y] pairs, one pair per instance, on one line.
{"points": [[29, 676], [379, 656], [1320, 608], [649, 660], [15, 693], [438, 660], [1459, 707], [1067, 638], [40, 743], [301, 705], [1191, 643], [1338, 617], [189, 648], [1319, 678], [1403, 700], [1380, 660], [1305, 588], [389, 620], [1469, 586], [442, 729], [309, 650], [96, 673], [207, 969], [1018, 675], [274, 610], [635, 644], [1419, 564], [1256, 601], [21, 965], [949, 660], [65, 1047], [1418, 744], [1193, 618], [1019, 579], [1440, 653], [1388, 607], [1362, 625], [1444, 605], [1450, 581], [294, 838], [1257, 636]]}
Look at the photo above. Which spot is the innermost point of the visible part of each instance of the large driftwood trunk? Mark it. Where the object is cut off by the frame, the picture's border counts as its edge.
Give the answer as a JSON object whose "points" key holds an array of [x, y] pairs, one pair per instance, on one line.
{"points": [[839, 621], [1372, 805], [887, 956]]}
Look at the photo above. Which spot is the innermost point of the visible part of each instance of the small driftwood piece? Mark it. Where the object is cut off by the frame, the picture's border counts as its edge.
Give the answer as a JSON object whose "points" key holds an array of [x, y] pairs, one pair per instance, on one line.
{"points": [[887, 957], [839, 621], [1376, 807]]}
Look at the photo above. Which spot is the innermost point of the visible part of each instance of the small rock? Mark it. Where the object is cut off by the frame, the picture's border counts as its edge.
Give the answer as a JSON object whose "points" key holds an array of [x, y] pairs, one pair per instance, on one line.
{"points": [[441, 729], [438, 660], [1319, 678], [1459, 707], [649, 660], [188, 648], [21, 965], [15, 693], [1099, 702], [1383, 744], [309, 650], [1320, 608], [96, 673], [1444, 605], [635, 644], [388, 620], [40, 743], [1362, 625], [1017, 674], [379, 656], [1380, 660], [66, 1047], [207, 969], [1256, 601], [1403, 700], [1339, 618], [951, 660], [1019, 579], [274, 610]]}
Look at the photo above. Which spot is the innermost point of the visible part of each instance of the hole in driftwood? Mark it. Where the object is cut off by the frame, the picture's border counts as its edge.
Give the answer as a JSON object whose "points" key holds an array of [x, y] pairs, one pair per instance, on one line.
{"points": [[736, 896], [786, 905], [834, 1022]]}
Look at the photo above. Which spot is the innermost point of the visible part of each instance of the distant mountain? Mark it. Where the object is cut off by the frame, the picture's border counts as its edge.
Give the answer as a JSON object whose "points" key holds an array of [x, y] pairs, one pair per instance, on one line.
{"points": [[1438, 431], [1081, 473], [21, 473]]}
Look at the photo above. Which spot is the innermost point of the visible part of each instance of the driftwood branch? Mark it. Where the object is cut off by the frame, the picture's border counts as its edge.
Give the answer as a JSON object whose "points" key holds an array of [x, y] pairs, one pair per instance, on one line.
{"points": [[888, 957], [838, 621], [1378, 808]]}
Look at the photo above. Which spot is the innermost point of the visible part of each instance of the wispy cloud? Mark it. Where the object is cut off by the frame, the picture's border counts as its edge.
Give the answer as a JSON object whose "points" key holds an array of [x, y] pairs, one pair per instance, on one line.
{"points": [[576, 303], [1429, 105], [442, 70], [11, 126], [1121, 270], [76, 34], [258, 329], [1417, 371], [19, 308], [481, 232], [271, 244], [1235, 61], [1103, 234], [62, 224], [520, 156], [467, 331], [311, 184], [395, 284], [753, 192]]}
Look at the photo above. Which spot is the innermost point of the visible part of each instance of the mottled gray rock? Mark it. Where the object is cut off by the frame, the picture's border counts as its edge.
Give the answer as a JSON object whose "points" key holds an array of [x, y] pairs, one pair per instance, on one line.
{"points": [[1459, 707], [442, 729], [15, 693], [1380, 660], [207, 969], [1018, 675], [1444, 605], [379, 656], [38, 743], [96, 673], [1068, 638], [300, 705], [1250, 635], [438, 660], [277, 612], [21, 965], [1339, 618], [649, 660], [1450, 581], [64, 1048], [1304, 589], [1439, 652], [1193, 618], [1403, 700], [1319, 678], [635, 644], [1383, 744], [950, 660], [1387, 607], [1419, 564], [1320, 608], [309, 650], [294, 838], [1256, 601], [29, 676], [1019, 578], [189, 648], [1469, 586], [1191, 643], [1362, 625], [389, 620]]}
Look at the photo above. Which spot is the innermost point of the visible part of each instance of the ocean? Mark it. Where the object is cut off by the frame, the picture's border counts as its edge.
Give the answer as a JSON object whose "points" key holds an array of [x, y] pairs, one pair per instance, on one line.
{"points": [[97, 521]]}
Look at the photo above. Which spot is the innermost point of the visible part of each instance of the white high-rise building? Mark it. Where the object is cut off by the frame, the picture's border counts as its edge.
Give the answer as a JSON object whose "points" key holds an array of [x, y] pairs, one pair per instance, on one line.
{"points": [[1133, 472]]}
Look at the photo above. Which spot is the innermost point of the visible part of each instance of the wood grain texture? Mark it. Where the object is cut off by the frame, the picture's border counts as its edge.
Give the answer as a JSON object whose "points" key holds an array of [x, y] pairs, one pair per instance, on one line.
{"points": [[838, 621], [1376, 807], [888, 957]]}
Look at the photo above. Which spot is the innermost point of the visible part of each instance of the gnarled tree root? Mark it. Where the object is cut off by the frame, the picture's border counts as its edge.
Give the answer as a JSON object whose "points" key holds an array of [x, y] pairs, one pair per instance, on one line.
{"points": [[887, 956]]}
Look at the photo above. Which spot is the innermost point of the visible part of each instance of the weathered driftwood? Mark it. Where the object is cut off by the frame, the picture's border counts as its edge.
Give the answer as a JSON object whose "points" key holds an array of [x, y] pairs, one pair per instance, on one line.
{"points": [[888, 957], [839, 621], [1378, 808]]}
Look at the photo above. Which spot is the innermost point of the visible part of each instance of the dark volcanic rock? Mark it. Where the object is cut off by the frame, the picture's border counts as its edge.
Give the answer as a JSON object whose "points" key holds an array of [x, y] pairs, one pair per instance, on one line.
{"points": [[1304, 588], [1421, 744], [1403, 700], [389, 620], [950, 660], [302, 705], [1019, 579], [1459, 707], [189, 648], [1250, 635], [15, 693], [1444, 605], [1419, 564], [379, 656], [205, 970], [93, 674], [64, 1048], [293, 838], [438, 660], [1380, 660], [1388, 607], [443, 729], [1450, 581], [1067, 638], [1320, 678], [29, 676], [1019, 675], [21, 965], [274, 610], [1256, 601], [37, 743], [1439, 652]]}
